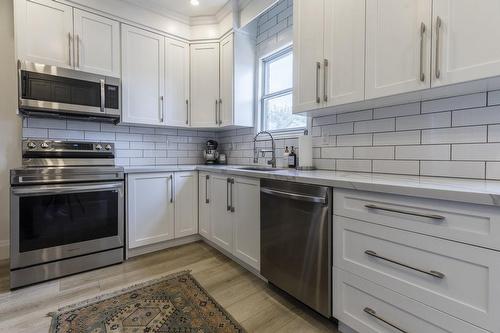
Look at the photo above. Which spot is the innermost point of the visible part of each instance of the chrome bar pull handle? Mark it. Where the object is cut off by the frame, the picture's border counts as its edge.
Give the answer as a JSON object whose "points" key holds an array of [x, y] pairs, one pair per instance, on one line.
{"points": [[187, 112], [374, 314], [220, 111], [228, 184], [103, 95], [325, 80], [318, 68], [78, 51], [207, 200], [438, 28], [406, 212], [422, 33], [69, 48], [216, 114], [171, 177], [162, 116], [435, 274], [232, 204]]}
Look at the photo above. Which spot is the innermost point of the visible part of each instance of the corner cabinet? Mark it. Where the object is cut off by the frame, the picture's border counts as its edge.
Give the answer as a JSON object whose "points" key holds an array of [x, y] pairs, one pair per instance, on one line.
{"points": [[186, 203], [328, 53], [150, 208], [229, 209], [77, 39]]}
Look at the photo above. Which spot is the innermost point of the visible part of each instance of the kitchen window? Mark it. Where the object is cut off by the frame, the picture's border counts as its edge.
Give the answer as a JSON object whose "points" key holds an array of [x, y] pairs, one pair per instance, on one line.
{"points": [[276, 90]]}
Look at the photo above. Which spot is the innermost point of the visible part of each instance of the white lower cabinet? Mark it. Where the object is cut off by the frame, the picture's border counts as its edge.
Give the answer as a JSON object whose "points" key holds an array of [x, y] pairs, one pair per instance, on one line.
{"points": [[150, 208], [186, 203], [161, 207], [230, 215]]}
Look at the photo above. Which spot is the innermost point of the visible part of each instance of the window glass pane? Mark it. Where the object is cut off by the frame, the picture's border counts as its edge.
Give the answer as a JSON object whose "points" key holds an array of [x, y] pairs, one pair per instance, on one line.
{"points": [[279, 74], [278, 114]]}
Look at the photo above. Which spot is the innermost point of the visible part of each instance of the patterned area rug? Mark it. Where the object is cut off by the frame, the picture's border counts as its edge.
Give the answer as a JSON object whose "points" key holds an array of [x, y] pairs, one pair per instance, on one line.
{"points": [[175, 303]]}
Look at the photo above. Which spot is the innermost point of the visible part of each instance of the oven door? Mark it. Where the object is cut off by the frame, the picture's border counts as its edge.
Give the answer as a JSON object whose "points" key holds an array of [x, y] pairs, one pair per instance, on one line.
{"points": [[53, 222]]}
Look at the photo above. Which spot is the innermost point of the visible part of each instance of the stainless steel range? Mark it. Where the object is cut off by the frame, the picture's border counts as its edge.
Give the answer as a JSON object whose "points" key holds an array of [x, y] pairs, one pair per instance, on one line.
{"points": [[67, 210]]}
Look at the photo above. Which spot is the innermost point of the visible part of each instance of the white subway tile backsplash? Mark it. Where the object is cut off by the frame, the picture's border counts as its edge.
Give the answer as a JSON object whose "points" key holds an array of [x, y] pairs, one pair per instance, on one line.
{"points": [[83, 125], [486, 115], [47, 123], [99, 136], [142, 130], [422, 152], [374, 153], [142, 161], [66, 134], [337, 152], [454, 103], [454, 135], [128, 137], [493, 133], [354, 165], [374, 126], [476, 152], [337, 129], [142, 145], [326, 120], [494, 97], [324, 164], [355, 116], [458, 169], [35, 133], [493, 170], [354, 140], [105, 127], [128, 153], [433, 120], [397, 111], [154, 138], [396, 138], [396, 167]]}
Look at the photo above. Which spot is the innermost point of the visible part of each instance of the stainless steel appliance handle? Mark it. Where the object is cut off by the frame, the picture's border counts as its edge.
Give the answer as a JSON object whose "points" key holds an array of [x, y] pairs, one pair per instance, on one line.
{"points": [[171, 177], [220, 111], [216, 114], [161, 109], [294, 196], [69, 48], [374, 314], [325, 80], [435, 274], [78, 51], [232, 204], [406, 212], [318, 68], [62, 189], [187, 112], [228, 206], [103, 95], [438, 28], [422, 33], [207, 200]]}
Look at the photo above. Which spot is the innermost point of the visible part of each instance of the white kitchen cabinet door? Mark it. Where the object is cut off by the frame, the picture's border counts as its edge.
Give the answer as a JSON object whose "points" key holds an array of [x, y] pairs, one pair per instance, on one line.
{"points": [[226, 81], [397, 48], [465, 45], [142, 76], [344, 64], [204, 82], [204, 191], [186, 203], [97, 44], [246, 220], [150, 208], [307, 54], [44, 32], [176, 83], [221, 226]]}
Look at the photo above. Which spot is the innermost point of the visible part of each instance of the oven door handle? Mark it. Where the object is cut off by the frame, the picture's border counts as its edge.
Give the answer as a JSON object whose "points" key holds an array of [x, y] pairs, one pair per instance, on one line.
{"points": [[61, 189]]}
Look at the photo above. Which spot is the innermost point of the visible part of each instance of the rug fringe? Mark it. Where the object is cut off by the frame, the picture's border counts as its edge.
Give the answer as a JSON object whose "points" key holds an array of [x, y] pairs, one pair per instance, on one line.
{"points": [[105, 296]]}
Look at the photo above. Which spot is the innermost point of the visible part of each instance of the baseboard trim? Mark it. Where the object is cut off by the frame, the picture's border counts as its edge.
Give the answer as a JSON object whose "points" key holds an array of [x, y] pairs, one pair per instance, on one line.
{"points": [[4, 249], [343, 328], [129, 253]]}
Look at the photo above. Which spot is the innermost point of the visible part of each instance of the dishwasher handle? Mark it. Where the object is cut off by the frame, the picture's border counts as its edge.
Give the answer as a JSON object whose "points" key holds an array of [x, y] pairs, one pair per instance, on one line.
{"points": [[295, 196]]}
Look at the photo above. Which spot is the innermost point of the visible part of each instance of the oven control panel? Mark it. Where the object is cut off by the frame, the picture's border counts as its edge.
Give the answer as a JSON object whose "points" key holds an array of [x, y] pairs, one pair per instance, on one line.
{"points": [[67, 146]]}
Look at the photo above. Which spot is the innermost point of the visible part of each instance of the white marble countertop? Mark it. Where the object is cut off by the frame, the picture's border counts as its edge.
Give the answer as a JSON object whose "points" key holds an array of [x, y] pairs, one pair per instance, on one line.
{"points": [[485, 192]]}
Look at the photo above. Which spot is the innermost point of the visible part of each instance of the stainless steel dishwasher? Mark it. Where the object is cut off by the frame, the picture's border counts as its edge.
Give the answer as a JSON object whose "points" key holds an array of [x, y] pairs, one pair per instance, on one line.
{"points": [[296, 241]]}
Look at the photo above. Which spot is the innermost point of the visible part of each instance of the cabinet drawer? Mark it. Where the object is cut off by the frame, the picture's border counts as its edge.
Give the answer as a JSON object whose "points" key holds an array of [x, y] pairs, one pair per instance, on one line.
{"points": [[364, 306], [468, 223], [455, 278]]}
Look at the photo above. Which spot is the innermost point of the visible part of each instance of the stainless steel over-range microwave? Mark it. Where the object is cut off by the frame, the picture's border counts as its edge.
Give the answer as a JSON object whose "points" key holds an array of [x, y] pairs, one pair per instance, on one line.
{"points": [[52, 91]]}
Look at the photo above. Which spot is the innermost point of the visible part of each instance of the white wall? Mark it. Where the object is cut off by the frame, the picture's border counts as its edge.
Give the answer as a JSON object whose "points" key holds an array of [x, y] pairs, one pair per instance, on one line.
{"points": [[10, 123]]}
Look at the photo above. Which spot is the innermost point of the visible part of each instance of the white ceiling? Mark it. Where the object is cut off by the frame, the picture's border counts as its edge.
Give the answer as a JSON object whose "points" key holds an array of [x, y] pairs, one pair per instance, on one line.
{"points": [[181, 7]]}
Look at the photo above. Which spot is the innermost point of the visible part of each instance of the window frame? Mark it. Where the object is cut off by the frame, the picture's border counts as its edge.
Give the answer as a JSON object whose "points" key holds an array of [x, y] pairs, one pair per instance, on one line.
{"points": [[263, 96]]}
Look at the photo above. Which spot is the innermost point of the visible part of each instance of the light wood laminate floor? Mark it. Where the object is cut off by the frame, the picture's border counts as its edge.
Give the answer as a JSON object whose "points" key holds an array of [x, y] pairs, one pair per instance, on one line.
{"points": [[250, 300]]}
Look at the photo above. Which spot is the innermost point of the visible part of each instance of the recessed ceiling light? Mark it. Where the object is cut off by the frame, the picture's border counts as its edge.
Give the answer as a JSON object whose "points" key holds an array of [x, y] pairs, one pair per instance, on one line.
{"points": [[194, 2]]}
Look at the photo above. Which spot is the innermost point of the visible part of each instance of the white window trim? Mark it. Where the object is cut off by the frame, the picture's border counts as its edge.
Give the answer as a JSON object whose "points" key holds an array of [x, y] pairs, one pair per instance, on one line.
{"points": [[279, 134]]}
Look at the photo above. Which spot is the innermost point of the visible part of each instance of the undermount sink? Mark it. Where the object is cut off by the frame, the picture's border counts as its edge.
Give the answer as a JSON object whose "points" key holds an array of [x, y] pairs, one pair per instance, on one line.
{"points": [[258, 168]]}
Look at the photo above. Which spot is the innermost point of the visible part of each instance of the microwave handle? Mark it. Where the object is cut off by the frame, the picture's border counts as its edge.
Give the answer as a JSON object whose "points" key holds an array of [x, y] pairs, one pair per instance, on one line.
{"points": [[103, 95]]}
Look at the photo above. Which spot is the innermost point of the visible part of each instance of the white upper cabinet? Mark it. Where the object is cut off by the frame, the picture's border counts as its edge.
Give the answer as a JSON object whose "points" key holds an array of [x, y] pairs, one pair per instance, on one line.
{"points": [[186, 203], [44, 32], [226, 81], [142, 76], [308, 54], [344, 41], [398, 36], [176, 83], [465, 40], [150, 208], [96, 44], [205, 110]]}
